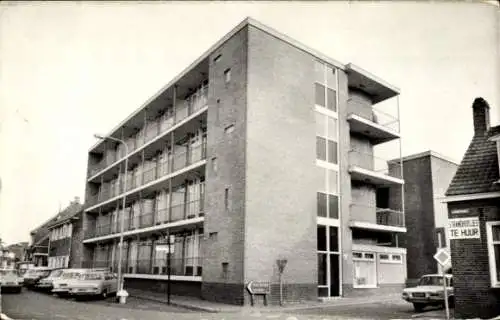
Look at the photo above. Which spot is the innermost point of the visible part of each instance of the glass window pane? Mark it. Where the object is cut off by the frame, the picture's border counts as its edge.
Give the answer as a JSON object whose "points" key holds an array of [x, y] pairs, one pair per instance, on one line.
{"points": [[322, 268], [332, 100], [321, 204], [333, 207], [321, 174], [334, 275], [319, 72], [332, 181], [384, 256], [321, 148], [321, 238], [319, 92], [495, 230], [331, 79], [334, 239], [332, 129], [321, 124], [332, 152], [497, 260]]}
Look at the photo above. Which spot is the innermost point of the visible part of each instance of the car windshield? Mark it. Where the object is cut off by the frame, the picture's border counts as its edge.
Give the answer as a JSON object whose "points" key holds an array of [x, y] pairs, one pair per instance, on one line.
{"points": [[8, 273], [92, 276], [71, 275], [55, 273], [432, 281]]}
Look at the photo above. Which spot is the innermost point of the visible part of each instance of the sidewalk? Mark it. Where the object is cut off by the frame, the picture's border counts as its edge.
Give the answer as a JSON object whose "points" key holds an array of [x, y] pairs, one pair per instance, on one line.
{"points": [[197, 304]]}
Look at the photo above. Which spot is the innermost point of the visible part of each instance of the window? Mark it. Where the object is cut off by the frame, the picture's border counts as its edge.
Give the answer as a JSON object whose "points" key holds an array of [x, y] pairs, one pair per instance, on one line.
{"points": [[321, 204], [319, 94], [327, 205], [321, 238], [217, 59], [390, 258], [229, 129], [493, 239], [333, 206], [322, 274], [226, 198], [321, 148], [227, 75], [325, 86], [214, 164], [384, 257], [326, 137], [334, 239]]}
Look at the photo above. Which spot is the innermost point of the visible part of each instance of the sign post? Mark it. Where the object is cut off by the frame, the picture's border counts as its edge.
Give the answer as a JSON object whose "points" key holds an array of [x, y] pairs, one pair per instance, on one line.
{"points": [[443, 257], [169, 249], [258, 288], [281, 267]]}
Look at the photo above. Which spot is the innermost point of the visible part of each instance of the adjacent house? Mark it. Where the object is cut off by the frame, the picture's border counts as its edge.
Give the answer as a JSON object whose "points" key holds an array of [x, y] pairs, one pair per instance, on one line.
{"points": [[261, 150], [473, 200], [65, 235], [427, 175]]}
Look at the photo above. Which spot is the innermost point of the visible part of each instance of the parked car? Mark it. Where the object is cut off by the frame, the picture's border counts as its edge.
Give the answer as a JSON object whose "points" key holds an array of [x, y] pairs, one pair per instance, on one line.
{"points": [[31, 276], [10, 280], [95, 283], [46, 284], [430, 292], [61, 285]]}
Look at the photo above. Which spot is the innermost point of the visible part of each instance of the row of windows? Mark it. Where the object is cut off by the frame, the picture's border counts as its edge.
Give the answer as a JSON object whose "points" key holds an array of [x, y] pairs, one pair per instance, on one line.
{"points": [[383, 257], [61, 232], [58, 262], [325, 85]]}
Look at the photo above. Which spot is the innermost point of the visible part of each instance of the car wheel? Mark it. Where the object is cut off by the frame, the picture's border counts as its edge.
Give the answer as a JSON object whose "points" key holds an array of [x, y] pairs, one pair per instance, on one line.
{"points": [[19, 290], [418, 307]]}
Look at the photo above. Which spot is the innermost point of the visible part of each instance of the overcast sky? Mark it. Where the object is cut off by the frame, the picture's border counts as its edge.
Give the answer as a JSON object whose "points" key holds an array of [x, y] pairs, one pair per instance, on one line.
{"points": [[69, 70]]}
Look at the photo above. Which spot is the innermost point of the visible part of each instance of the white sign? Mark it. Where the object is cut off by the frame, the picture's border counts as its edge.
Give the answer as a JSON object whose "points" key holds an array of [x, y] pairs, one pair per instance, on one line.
{"points": [[164, 247], [442, 256], [464, 228]]}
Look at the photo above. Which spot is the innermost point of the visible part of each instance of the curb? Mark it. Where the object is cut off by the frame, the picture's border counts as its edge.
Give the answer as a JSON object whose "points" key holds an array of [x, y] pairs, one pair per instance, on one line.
{"points": [[262, 310]]}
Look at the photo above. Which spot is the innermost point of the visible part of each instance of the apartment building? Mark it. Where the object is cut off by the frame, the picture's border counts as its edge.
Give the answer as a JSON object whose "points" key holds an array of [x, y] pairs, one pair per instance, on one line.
{"points": [[427, 176], [263, 149], [65, 237]]}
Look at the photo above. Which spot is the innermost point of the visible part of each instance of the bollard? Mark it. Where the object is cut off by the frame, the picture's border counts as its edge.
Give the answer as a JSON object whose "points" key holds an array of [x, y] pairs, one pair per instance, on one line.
{"points": [[122, 296]]}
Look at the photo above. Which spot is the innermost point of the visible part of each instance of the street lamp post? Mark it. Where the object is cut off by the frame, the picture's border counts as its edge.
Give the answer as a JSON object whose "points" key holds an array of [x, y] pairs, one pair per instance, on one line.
{"points": [[122, 218]]}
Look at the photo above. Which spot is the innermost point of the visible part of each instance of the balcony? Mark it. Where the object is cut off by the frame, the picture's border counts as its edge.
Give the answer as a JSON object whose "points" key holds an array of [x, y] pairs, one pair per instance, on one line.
{"points": [[378, 219], [158, 172], [184, 267], [152, 130], [378, 126], [142, 223], [367, 168]]}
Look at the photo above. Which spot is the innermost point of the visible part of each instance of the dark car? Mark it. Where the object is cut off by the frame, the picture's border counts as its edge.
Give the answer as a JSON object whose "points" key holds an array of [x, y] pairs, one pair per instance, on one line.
{"points": [[32, 276]]}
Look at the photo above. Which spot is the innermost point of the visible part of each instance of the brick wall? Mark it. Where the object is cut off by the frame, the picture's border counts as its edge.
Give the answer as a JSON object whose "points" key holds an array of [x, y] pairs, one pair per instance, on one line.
{"points": [[76, 256], [181, 288], [474, 296]]}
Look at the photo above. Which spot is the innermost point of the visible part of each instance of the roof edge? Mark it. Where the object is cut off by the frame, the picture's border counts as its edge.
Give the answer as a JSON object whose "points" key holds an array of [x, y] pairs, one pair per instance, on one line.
{"points": [[428, 153]]}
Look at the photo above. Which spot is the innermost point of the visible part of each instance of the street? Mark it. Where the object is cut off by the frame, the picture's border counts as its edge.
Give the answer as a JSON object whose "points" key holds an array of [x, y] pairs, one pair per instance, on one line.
{"points": [[41, 306]]}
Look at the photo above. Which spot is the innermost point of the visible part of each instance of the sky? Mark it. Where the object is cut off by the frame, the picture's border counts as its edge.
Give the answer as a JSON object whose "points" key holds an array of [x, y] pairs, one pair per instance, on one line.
{"points": [[69, 70]]}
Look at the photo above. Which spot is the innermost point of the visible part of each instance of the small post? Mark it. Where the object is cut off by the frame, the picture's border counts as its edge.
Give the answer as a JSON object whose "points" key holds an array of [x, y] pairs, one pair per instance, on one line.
{"points": [[281, 267], [168, 268], [447, 307]]}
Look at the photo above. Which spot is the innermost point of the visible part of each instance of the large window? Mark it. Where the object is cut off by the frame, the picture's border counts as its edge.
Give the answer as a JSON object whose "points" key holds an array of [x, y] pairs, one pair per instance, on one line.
{"points": [[326, 138], [325, 86], [493, 238], [328, 261]]}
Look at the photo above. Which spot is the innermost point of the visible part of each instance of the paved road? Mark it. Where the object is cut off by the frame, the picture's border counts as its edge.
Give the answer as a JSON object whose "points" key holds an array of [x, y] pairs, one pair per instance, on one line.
{"points": [[39, 306]]}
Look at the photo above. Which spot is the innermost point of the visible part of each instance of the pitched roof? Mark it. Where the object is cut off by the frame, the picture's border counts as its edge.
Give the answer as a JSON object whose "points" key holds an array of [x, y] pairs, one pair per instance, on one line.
{"points": [[69, 212], [478, 170]]}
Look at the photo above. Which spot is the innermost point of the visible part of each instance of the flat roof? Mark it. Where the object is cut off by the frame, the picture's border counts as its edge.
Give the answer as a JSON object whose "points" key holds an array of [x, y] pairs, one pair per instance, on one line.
{"points": [[389, 89], [428, 153]]}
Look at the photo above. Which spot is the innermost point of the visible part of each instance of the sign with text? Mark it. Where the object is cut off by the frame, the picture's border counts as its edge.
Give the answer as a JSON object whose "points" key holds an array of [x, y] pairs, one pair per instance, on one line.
{"points": [[164, 247], [256, 287], [464, 228]]}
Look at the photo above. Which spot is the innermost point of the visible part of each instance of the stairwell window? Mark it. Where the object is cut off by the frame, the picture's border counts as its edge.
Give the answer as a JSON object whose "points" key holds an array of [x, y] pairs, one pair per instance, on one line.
{"points": [[227, 75], [226, 198], [493, 239]]}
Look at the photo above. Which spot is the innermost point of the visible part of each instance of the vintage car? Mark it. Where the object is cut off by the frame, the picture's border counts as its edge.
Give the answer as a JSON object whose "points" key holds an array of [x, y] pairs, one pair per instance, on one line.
{"points": [[95, 283], [61, 285], [31, 276], [10, 280], [430, 292], [46, 284]]}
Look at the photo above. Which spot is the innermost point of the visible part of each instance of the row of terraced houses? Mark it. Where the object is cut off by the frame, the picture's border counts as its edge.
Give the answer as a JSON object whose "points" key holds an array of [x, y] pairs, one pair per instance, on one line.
{"points": [[263, 149]]}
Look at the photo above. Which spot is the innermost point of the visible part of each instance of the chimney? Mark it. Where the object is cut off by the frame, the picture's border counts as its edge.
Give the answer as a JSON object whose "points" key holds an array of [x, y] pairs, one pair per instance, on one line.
{"points": [[481, 113]]}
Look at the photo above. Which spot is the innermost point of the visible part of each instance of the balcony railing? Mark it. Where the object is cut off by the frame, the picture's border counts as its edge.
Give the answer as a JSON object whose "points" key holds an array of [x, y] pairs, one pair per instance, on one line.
{"points": [[178, 266], [372, 163], [197, 101], [183, 211], [377, 116], [179, 161], [378, 216]]}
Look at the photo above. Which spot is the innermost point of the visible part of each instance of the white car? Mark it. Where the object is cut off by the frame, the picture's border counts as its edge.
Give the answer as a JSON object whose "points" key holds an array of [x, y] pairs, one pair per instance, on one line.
{"points": [[430, 292], [94, 284], [10, 279], [60, 286]]}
